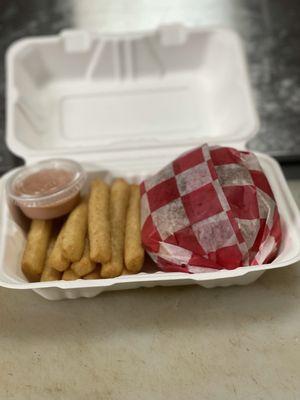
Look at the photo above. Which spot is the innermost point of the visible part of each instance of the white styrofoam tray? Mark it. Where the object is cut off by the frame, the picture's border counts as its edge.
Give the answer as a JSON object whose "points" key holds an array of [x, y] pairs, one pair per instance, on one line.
{"points": [[128, 104]]}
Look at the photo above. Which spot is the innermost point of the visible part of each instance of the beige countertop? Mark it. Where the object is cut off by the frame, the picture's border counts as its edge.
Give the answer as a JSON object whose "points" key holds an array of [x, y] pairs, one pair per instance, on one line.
{"points": [[179, 342]]}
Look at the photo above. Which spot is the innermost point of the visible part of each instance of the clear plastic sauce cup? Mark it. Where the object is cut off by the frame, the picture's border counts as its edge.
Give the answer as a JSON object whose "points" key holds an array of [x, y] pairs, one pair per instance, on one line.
{"points": [[48, 189]]}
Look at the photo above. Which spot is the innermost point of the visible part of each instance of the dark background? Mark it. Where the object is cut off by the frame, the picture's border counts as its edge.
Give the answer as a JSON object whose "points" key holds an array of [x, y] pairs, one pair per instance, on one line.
{"points": [[270, 30]]}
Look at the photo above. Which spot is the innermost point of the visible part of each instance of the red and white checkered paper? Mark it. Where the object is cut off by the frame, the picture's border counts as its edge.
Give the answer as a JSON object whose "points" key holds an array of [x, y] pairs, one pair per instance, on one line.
{"points": [[211, 208]]}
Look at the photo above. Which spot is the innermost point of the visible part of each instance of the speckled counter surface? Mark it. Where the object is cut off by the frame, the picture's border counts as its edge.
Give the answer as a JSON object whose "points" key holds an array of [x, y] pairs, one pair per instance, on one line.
{"points": [[180, 342]]}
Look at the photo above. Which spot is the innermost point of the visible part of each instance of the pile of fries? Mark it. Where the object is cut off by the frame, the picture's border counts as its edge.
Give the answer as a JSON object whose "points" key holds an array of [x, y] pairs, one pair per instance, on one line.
{"points": [[100, 238]]}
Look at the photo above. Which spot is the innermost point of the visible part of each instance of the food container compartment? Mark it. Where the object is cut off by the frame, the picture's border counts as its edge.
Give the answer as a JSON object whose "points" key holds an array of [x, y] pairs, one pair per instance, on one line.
{"points": [[129, 104], [13, 242]]}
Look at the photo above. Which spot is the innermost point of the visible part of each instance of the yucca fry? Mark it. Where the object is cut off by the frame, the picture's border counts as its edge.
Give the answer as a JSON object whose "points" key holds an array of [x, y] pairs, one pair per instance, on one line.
{"points": [[49, 273], [74, 233], [133, 250], [69, 275], [126, 272], [56, 258], [94, 275], [118, 208], [36, 249], [98, 222], [85, 265]]}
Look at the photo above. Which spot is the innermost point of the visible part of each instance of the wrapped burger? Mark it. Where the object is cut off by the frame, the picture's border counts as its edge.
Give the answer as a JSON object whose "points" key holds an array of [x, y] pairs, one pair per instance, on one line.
{"points": [[212, 208]]}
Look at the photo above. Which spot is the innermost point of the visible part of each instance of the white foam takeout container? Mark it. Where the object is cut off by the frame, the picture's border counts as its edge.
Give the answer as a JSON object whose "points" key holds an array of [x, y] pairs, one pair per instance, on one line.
{"points": [[129, 104]]}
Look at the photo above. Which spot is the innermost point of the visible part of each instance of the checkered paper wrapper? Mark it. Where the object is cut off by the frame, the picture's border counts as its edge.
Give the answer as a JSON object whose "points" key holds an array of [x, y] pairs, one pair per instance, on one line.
{"points": [[211, 208]]}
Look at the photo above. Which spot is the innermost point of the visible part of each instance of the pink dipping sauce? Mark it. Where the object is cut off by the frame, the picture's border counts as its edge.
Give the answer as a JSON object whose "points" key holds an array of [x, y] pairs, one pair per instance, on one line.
{"points": [[48, 189]]}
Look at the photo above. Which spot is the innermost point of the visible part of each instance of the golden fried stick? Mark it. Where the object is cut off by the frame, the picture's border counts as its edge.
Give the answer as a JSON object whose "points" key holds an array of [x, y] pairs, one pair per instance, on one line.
{"points": [[69, 275], [56, 258], [133, 250], [36, 249], [94, 275], [126, 272], [49, 273], [98, 222], [74, 233], [118, 208], [85, 265]]}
